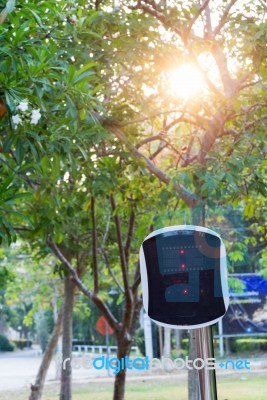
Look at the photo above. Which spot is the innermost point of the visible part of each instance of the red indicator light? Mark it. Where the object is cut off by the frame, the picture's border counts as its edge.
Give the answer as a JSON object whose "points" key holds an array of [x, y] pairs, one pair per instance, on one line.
{"points": [[181, 251], [183, 266], [185, 291]]}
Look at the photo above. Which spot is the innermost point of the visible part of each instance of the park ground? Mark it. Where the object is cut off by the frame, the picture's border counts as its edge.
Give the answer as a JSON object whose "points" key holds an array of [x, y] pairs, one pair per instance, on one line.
{"points": [[17, 372]]}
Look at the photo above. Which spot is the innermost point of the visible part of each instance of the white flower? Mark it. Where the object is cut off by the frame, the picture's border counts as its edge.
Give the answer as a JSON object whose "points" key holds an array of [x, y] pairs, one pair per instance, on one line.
{"points": [[66, 177], [73, 19], [35, 116], [16, 120], [23, 105]]}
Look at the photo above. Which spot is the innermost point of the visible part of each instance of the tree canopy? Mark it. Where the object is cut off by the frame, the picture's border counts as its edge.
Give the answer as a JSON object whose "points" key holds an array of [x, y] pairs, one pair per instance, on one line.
{"points": [[119, 116]]}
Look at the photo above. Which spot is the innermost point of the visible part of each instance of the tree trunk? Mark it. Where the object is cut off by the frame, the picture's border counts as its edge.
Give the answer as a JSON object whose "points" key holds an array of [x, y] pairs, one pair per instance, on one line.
{"points": [[66, 375], [37, 388], [124, 348], [124, 343]]}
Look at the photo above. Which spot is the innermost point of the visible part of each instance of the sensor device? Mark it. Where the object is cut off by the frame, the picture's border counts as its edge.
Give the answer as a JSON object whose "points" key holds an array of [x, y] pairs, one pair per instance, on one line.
{"points": [[184, 276]]}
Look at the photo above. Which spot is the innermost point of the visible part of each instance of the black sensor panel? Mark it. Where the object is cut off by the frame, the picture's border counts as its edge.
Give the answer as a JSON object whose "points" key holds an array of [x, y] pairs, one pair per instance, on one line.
{"points": [[184, 280]]}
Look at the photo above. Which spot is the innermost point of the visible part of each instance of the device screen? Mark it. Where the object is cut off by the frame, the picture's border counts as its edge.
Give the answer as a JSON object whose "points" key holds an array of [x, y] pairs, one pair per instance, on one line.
{"points": [[184, 280]]}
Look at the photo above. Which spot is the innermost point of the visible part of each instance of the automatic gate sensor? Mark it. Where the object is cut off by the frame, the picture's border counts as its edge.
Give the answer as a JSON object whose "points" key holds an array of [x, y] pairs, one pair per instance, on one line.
{"points": [[184, 276]]}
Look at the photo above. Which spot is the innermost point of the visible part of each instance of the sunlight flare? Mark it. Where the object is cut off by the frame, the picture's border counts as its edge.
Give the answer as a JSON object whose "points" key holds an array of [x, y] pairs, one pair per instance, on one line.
{"points": [[185, 81]]}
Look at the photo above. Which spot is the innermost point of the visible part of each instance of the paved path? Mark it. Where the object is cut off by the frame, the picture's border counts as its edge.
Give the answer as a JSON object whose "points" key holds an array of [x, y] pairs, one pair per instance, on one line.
{"points": [[18, 371]]}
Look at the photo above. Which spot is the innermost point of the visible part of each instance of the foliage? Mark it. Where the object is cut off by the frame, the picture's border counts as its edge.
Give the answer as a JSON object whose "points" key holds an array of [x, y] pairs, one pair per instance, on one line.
{"points": [[98, 147], [5, 344], [139, 341], [207, 147], [79, 80], [32, 288], [248, 345], [41, 91], [42, 329]]}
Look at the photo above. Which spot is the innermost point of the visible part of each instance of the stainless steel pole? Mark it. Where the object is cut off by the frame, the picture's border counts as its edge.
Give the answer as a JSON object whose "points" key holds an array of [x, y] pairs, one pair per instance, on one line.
{"points": [[207, 377], [220, 325]]}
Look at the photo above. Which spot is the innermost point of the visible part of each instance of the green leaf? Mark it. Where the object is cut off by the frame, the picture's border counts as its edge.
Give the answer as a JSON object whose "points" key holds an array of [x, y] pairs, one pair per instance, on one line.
{"points": [[8, 143], [45, 164], [10, 101], [55, 166], [249, 210], [82, 114], [4, 186], [236, 255], [72, 110], [84, 154], [58, 237], [36, 16], [19, 151]]}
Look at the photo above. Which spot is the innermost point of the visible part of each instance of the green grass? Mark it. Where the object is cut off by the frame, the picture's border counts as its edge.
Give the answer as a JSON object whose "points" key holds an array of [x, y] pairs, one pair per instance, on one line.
{"points": [[230, 387]]}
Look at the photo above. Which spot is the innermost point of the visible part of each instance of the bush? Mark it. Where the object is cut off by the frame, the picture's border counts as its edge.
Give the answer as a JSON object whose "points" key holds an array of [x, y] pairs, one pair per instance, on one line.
{"points": [[5, 344], [139, 341], [22, 343], [244, 345]]}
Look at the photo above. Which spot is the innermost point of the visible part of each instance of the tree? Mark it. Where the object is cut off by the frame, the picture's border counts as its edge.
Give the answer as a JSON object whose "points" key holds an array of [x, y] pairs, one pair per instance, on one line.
{"points": [[202, 148], [106, 203], [203, 151], [41, 91]]}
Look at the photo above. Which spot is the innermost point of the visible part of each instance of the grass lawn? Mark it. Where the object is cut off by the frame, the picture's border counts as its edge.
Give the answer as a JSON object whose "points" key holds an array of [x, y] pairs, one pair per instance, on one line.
{"points": [[230, 387]]}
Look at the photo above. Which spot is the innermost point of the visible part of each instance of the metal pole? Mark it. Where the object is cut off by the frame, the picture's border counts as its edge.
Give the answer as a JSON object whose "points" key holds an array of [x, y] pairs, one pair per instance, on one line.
{"points": [[207, 377], [221, 338]]}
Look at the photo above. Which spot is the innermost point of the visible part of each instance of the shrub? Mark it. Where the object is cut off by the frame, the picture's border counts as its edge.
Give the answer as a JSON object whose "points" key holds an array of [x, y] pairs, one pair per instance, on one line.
{"points": [[243, 345], [5, 344], [139, 341], [22, 343]]}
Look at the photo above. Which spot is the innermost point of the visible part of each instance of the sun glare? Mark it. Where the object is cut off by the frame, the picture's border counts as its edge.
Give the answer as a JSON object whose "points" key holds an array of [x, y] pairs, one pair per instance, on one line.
{"points": [[185, 81]]}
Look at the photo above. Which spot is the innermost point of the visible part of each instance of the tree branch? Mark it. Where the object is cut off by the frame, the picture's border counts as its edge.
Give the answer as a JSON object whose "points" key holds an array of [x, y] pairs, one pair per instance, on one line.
{"points": [[146, 118], [214, 130], [87, 292], [160, 135], [231, 86], [161, 147], [123, 261], [224, 17], [106, 232], [155, 13], [148, 140], [249, 84], [137, 278], [188, 197], [127, 315], [106, 260], [166, 22], [210, 84], [19, 174], [129, 235], [208, 26], [199, 12], [252, 123], [94, 246]]}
